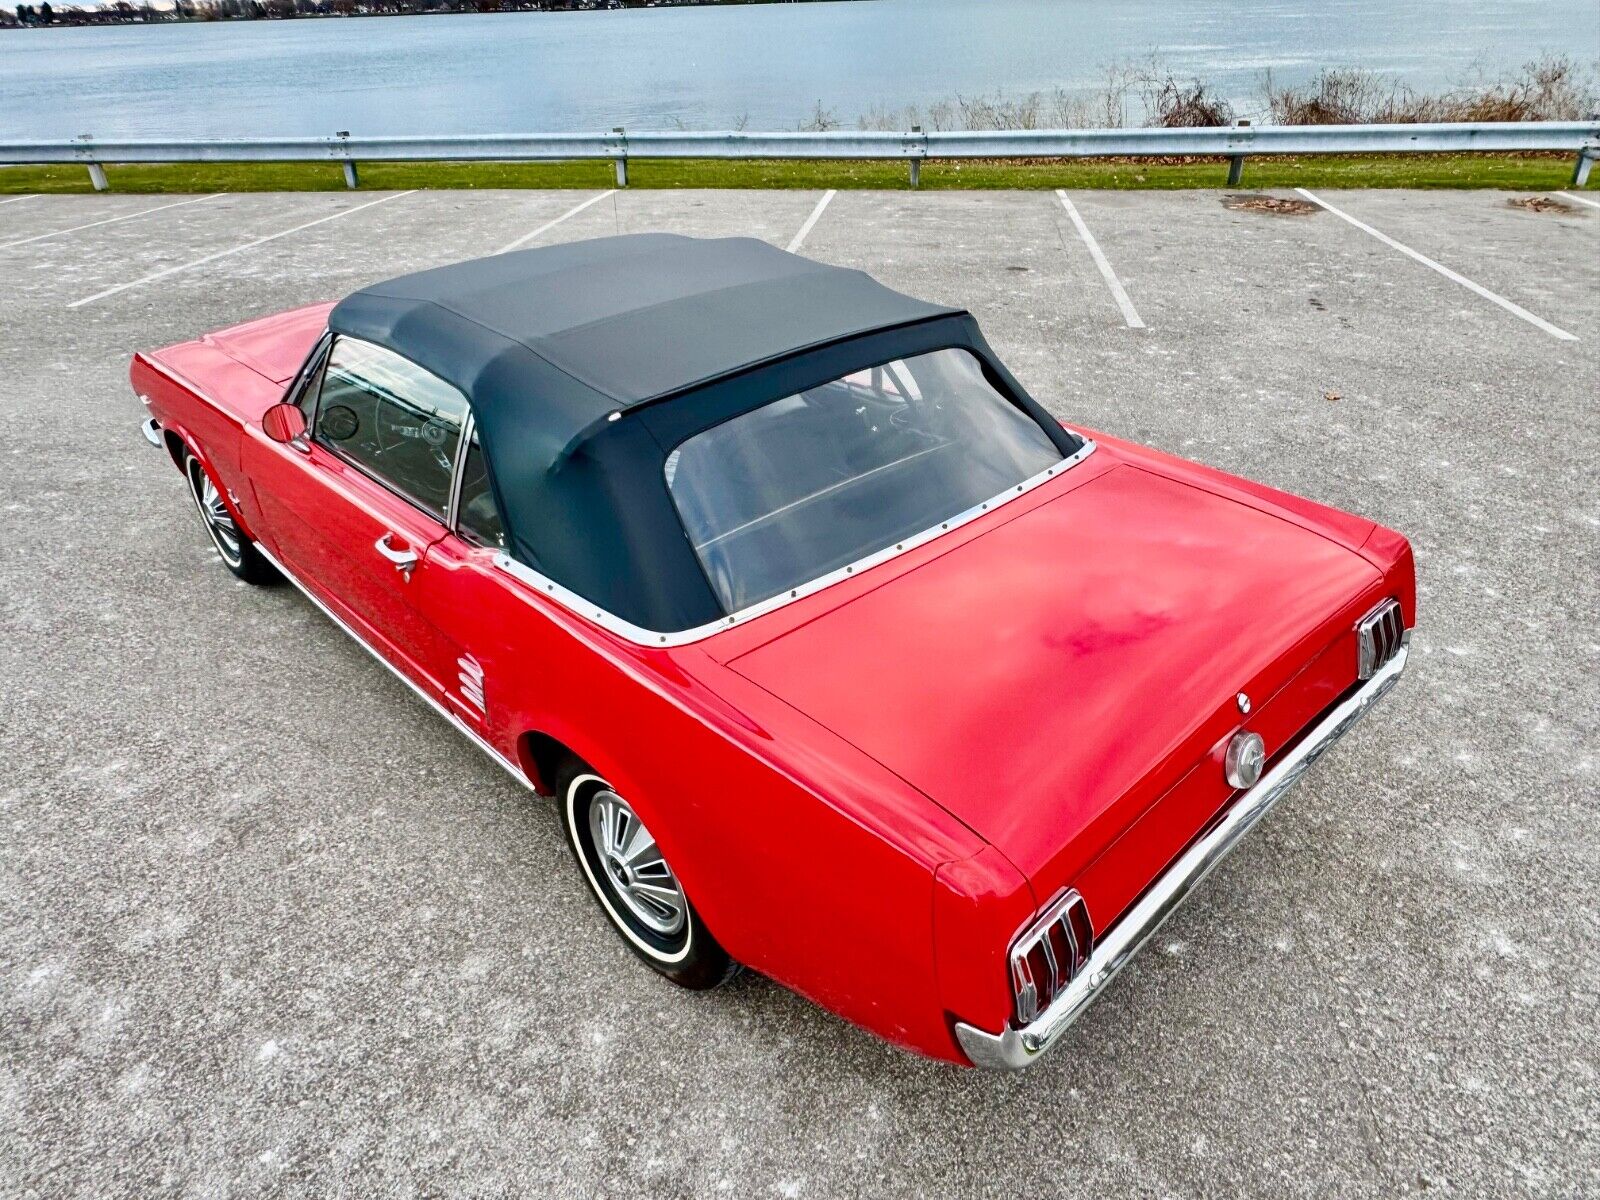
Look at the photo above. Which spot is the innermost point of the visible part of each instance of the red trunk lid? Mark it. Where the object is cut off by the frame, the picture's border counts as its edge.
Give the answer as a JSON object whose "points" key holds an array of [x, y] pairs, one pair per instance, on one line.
{"points": [[1058, 673]]}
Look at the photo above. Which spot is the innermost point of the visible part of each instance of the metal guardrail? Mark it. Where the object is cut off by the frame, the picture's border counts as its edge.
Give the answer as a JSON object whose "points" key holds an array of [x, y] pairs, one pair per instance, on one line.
{"points": [[1235, 142]]}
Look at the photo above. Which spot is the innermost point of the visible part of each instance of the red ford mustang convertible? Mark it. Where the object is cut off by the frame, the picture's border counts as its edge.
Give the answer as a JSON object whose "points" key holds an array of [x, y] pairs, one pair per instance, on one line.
{"points": [[842, 658]]}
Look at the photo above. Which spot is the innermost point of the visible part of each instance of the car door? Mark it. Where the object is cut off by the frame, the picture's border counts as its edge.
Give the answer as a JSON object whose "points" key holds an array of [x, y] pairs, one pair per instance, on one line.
{"points": [[462, 578], [352, 509]]}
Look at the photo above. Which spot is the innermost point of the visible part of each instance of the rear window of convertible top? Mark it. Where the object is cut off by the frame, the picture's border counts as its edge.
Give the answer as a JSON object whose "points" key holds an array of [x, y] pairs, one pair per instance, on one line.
{"points": [[805, 485]]}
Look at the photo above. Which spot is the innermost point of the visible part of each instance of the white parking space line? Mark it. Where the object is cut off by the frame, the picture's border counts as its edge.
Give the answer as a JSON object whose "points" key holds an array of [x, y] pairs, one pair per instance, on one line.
{"points": [[14, 199], [199, 262], [1580, 199], [1492, 297], [811, 221], [571, 212], [39, 237], [1130, 315]]}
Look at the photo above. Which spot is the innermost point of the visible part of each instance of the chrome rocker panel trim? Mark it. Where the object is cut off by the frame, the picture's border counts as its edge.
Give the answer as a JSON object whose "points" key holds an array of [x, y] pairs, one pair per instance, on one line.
{"points": [[456, 722], [1014, 1049], [628, 631]]}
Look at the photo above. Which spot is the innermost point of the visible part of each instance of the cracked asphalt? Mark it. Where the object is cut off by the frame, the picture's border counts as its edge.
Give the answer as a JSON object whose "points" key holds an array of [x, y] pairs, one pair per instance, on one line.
{"points": [[269, 927]]}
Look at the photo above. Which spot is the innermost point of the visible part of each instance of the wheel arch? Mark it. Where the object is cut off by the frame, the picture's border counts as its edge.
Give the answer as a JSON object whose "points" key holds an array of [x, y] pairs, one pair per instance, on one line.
{"points": [[176, 446], [179, 442], [540, 756]]}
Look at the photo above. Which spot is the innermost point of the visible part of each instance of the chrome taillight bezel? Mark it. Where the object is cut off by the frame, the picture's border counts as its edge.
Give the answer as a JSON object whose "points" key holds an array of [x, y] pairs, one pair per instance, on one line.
{"points": [[1047, 953], [1379, 636]]}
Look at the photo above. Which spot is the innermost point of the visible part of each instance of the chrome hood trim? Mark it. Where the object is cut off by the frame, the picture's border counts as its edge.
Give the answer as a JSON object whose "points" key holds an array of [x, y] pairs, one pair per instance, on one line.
{"points": [[1014, 1048]]}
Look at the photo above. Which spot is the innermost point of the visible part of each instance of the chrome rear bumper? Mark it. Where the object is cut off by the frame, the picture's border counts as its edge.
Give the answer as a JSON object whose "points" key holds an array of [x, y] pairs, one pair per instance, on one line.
{"points": [[1012, 1049], [151, 428]]}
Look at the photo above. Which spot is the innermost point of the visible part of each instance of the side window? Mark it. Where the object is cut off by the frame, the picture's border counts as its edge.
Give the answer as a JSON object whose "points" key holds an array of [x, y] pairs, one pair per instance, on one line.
{"points": [[392, 419], [477, 518]]}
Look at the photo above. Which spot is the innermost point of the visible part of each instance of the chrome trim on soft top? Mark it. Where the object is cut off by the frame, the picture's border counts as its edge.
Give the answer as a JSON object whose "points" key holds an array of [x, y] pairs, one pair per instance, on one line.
{"points": [[1013, 1048], [591, 611]]}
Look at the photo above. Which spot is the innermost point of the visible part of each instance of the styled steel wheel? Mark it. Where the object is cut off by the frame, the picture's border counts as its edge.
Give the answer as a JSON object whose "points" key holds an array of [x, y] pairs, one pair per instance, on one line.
{"points": [[218, 520], [635, 884], [631, 862], [234, 547]]}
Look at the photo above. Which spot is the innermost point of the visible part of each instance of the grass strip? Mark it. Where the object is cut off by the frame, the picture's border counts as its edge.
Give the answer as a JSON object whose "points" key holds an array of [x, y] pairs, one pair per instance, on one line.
{"points": [[1531, 172]]}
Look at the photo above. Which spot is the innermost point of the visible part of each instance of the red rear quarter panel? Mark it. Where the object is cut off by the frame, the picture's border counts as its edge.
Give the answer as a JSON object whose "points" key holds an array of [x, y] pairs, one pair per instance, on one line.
{"points": [[809, 861]]}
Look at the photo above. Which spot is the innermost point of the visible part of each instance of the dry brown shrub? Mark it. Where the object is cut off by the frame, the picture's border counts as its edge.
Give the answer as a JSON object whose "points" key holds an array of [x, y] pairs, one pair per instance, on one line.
{"points": [[1553, 88]]}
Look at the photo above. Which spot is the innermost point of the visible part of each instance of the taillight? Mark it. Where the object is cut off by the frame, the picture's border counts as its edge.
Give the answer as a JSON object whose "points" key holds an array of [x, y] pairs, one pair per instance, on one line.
{"points": [[1379, 636], [1048, 953]]}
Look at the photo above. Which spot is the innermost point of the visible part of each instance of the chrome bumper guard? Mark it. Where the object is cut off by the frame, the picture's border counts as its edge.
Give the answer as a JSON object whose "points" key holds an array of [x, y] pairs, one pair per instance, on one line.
{"points": [[151, 428], [1013, 1048]]}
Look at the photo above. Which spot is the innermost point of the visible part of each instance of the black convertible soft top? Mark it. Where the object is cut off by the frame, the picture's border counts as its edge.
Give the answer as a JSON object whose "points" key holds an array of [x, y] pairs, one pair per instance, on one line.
{"points": [[626, 319], [553, 345]]}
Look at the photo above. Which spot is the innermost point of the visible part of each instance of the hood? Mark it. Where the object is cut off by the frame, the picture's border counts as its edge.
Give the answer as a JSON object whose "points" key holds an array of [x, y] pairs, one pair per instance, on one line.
{"points": [[275, 346], [1047, 675]]}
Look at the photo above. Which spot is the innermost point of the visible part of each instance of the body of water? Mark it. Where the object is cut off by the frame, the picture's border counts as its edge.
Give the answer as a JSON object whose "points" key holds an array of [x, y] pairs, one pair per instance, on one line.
{"points": [[763, 67]]}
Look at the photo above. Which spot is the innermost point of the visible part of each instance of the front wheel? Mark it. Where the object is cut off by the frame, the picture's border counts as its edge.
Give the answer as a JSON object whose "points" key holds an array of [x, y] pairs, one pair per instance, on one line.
{"points": [[234, 547], [636, 887]]}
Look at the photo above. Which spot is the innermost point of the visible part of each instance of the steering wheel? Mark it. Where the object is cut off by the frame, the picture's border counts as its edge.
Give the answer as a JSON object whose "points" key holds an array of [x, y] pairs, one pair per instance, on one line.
{"points": [[432, 433]]}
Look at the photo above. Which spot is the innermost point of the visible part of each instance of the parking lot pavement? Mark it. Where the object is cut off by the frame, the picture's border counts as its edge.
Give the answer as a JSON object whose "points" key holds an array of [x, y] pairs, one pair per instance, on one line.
{"points": [[267, 925]]}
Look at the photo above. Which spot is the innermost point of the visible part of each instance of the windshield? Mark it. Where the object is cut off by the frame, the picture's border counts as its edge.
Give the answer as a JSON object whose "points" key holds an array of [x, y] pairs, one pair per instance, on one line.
{"points": [[788, 492]]}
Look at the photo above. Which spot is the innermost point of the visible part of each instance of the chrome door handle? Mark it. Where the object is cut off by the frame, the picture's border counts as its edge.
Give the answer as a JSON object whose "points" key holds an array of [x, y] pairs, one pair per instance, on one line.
{"points": [[404, 560]]}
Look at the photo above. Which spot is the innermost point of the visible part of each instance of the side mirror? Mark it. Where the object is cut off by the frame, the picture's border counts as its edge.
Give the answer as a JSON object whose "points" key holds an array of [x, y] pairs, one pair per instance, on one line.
{"points": [[284, 423]]}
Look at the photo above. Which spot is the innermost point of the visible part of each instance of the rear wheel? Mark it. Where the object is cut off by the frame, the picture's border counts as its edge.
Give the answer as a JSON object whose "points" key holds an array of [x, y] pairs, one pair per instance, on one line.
{"points": [[637, 888], [234, 547]]}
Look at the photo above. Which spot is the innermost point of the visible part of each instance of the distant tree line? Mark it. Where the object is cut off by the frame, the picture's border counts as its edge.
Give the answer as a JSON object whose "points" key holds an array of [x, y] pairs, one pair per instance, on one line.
{"points": [[123, 12]]}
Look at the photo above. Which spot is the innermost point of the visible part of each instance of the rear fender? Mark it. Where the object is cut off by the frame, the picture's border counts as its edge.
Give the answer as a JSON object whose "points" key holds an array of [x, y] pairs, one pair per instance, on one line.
{"points": [[979, 903]]}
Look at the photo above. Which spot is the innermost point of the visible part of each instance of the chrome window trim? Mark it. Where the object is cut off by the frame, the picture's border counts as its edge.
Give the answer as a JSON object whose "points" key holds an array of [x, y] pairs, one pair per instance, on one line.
{"points": [[1013, 1047], [458, 472], [628, 631], [299, 389]]}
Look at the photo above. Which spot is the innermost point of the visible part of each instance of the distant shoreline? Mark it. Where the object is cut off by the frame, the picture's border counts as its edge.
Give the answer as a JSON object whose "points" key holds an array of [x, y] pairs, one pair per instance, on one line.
{"points": [[44, 15], [207, 12]]}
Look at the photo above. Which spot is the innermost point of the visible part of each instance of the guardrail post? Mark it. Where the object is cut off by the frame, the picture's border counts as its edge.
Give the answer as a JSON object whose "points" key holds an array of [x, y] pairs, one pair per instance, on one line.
{"points": [[351, 178], [621, 156], [1236, 163], [97, 173], [1580, 169], [918, 153]]}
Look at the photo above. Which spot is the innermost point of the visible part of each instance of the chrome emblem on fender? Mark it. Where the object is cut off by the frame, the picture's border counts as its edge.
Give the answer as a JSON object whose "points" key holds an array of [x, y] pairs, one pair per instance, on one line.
{"points": [[471, 680]]}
